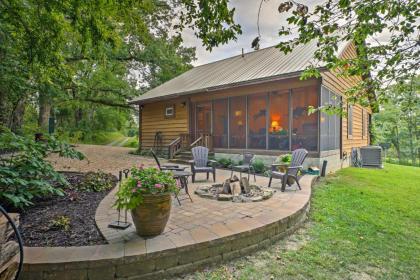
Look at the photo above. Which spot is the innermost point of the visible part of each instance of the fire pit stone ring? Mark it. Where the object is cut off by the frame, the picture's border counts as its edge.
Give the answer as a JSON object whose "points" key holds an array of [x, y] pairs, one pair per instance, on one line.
{"points": [[215, 191]]}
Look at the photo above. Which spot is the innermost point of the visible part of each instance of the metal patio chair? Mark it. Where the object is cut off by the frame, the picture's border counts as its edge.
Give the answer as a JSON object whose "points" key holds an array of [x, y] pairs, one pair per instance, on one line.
{"points": [[165, 167], [201, 163], [246, 166], [292, 171]]}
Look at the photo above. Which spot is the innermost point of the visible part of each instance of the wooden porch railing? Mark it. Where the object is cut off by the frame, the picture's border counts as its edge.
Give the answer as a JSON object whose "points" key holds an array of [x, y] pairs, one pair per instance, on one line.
{"points": [[205, 139], [183, 142]]}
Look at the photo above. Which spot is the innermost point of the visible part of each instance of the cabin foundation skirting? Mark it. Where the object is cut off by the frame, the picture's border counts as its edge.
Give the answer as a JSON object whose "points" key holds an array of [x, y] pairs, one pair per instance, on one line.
{"points": [[333, 157]]}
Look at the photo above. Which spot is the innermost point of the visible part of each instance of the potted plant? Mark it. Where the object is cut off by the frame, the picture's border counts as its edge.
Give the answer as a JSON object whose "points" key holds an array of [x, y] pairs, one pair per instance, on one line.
{"points": [[285, 160], [147, 193]]}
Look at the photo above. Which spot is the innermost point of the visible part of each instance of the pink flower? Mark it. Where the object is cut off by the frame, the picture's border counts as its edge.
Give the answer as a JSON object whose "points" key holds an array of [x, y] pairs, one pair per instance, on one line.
{"points": [[158, 186], [133, 190], [138, 184]]}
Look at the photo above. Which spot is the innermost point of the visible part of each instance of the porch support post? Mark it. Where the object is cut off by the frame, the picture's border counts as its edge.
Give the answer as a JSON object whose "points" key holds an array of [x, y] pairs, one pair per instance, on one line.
{"points": [[246, 122], [290, 119], [267, 116], [228, 136]]}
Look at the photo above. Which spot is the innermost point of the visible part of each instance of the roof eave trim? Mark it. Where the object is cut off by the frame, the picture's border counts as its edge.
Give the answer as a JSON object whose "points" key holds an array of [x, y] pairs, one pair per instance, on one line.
{"points": [[221, 87]]}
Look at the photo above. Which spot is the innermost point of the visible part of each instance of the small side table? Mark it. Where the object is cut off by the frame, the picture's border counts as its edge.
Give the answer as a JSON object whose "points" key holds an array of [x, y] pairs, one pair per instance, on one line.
{"points": [[182, 176]]}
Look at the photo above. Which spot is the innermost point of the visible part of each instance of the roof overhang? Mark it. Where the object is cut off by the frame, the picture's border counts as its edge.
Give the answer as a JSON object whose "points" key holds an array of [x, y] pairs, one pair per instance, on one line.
{"points": [[222, 87]]}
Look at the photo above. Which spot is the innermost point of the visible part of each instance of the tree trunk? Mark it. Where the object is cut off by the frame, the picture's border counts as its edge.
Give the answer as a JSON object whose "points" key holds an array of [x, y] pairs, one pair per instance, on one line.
{"points": [[78, 116], [4, 119], [16, 121], [44, 111]]}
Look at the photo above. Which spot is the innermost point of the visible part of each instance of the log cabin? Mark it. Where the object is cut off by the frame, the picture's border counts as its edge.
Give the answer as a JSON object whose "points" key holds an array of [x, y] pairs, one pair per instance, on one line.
{"points": [[255, 102]]}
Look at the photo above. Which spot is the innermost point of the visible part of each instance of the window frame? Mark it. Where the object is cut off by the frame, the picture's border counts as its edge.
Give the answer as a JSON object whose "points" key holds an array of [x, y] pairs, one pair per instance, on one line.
{"points": [[169, 107], [349, 121]]}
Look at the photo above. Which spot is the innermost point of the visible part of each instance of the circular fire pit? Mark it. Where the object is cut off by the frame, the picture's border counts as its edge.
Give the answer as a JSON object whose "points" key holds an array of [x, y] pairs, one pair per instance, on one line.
{"points": [[255, 194]]}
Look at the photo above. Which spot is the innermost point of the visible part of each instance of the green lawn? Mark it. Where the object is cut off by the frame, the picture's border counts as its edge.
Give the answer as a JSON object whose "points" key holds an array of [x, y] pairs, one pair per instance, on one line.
{"points": [[364, 224]]}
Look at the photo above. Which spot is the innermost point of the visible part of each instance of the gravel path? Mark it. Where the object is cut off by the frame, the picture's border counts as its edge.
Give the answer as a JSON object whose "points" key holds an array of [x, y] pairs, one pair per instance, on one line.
{"points": [[106, 158]]}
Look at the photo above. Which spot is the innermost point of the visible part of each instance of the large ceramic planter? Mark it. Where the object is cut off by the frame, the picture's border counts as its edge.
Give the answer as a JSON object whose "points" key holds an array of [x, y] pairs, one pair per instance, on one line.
{"points": [[151, 216]]}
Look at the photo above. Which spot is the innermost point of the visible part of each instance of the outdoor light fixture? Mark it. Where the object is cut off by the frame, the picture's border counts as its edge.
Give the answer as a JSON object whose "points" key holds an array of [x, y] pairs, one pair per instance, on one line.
{"points": [[238, 113]]}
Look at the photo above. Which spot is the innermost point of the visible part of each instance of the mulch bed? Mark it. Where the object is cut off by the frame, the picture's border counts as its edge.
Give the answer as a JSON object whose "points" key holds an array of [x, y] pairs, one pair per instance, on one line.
{"points": [[36, 222]]}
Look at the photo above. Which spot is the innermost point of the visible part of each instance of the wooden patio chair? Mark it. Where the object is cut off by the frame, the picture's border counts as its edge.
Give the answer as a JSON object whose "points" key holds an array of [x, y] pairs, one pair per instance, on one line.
{"points": [[246, 166], [201, 163], [165, 167], [292, 171]]}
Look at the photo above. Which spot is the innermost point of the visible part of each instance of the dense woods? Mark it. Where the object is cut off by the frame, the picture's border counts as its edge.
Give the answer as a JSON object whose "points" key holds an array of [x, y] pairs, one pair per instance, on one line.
{"points": [[76, 63]]}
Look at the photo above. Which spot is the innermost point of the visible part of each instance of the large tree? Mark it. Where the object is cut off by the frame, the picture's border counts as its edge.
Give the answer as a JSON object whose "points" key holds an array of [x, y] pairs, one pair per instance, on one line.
{"points": [[50, 49], [385, 33]]}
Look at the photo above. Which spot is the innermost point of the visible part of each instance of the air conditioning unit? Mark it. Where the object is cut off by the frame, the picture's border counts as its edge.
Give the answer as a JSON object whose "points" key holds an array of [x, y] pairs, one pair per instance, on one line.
{"points": [[371, 156]]}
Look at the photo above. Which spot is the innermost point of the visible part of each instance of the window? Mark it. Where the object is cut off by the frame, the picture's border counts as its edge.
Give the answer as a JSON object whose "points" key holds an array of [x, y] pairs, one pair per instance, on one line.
{"points": [[169, 111], [257, 121], [237, 122], [363, 124], [305, 126], [349, 121], [278, 130], [329, 123], [220, 123]]}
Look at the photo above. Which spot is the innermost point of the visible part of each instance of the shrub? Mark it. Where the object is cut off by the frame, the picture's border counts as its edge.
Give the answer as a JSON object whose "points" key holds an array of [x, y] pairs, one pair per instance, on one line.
{"points": [[259, 166], [61, 222], [24, 172], [97, 181], [144, 181], [286, 158], [225, 162]]}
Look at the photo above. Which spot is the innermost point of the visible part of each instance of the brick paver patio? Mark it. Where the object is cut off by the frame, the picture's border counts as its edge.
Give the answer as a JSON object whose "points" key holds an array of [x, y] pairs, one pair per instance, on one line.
{"points": [[203, 218], [199, 233]]}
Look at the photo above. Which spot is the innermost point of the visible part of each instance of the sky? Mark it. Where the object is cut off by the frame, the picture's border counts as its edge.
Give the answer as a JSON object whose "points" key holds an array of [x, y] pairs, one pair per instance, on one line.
{"points": [[246, 15]]}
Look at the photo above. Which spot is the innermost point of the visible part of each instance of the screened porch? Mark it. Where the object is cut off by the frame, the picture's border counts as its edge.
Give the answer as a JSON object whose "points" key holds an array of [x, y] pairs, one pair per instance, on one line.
{"points": [[268, 122]]}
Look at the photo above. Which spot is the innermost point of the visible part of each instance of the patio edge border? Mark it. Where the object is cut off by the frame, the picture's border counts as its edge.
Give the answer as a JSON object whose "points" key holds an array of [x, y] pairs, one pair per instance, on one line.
{"points": [[130, 260]]}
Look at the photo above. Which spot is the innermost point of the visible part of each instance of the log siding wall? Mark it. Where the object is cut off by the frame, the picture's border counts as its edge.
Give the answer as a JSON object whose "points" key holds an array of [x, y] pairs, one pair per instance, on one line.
{"points": [[152, 120], [339, 85]]}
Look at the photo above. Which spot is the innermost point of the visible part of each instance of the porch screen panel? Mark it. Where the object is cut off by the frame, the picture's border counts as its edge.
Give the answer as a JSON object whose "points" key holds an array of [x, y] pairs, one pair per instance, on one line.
{"points": [[237, 122], [278, 137], [257, 121], [305, 127], [329, 123], [220, 123]]}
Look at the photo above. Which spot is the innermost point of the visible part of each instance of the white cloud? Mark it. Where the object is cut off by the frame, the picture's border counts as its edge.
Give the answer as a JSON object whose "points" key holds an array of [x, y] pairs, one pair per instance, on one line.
{"points": [[246, 15]]}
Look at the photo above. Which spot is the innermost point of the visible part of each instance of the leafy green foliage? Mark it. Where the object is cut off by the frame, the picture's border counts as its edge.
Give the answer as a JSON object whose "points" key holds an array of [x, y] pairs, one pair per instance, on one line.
{"points": [[286, 158], [397, 124], [144, 181], [259, 166], [365, 23], [25, 173], [97, 181], [226, 162], [75, 58], [61, 223]]}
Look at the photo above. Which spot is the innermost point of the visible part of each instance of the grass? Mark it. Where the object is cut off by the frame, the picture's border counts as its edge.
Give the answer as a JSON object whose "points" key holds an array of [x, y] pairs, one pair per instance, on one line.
{"points": [[133, 142], [364, 224], [104, 138]]}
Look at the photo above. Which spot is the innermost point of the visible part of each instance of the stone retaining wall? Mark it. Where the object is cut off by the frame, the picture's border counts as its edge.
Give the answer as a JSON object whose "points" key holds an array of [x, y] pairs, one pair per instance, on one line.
{"points": [[131, 260]]}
